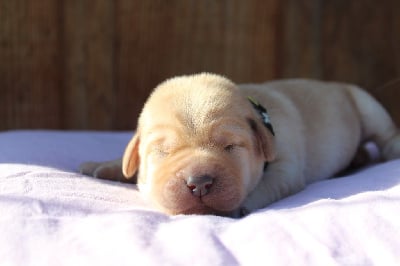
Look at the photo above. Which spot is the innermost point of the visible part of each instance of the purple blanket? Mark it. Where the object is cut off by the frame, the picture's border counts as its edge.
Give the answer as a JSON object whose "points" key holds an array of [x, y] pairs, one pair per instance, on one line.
{"points": [[52, 215]]}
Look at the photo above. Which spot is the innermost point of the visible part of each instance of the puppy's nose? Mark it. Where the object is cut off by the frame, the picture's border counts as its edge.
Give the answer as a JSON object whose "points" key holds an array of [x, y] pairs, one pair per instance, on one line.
{"points": [[199, 185]]}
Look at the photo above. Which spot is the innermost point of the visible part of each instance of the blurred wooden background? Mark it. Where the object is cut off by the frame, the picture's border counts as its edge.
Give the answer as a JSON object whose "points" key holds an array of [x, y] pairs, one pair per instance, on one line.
{"points": [[90, 64]]}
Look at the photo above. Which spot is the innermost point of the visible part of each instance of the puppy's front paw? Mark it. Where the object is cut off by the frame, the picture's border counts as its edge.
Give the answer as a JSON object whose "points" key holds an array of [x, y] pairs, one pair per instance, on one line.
{"points": [[111, 170], [88, 168]]}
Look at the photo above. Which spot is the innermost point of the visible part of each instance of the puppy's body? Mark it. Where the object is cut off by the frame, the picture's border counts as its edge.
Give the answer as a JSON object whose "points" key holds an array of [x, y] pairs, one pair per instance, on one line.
{"points": [[201, 147], [319, 128]]}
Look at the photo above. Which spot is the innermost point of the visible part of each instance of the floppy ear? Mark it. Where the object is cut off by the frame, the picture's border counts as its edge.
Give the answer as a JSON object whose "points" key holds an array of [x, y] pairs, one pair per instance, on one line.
{"points": [[130, 160], [264, 139]]}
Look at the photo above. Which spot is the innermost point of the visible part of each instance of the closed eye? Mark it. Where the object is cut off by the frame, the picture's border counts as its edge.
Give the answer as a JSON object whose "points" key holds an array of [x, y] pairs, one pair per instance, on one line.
{"points": [[229, 148]]}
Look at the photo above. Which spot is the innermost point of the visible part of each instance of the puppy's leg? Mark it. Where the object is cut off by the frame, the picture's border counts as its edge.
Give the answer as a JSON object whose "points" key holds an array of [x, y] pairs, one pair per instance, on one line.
{"points": [[376, 124], [109, 170], [280, 180]]}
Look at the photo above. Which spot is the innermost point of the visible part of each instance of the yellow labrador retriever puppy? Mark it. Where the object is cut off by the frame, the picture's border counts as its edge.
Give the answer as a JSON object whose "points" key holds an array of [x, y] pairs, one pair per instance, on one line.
{"points": [[204, 145]]}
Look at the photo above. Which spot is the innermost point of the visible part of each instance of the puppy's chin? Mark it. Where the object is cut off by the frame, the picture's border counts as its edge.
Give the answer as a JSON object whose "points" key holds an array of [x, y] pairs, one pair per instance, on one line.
{"points": [[170, 192]]}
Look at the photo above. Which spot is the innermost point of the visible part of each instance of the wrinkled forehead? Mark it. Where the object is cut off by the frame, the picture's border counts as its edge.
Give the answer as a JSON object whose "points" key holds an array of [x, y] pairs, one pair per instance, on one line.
{"points": [[195, 108]]}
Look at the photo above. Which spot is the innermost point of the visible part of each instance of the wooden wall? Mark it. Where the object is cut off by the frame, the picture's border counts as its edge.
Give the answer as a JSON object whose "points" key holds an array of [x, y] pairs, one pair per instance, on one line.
{"points": [[90, 64]]}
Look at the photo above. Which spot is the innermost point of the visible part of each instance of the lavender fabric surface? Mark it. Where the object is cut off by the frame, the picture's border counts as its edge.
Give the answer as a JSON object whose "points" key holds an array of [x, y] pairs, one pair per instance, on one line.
{"points": [[52, 215]]}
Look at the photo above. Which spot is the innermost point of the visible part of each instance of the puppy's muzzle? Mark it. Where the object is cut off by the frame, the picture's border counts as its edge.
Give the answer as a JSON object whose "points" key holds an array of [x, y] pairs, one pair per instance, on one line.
{"points": [[199, 185]]}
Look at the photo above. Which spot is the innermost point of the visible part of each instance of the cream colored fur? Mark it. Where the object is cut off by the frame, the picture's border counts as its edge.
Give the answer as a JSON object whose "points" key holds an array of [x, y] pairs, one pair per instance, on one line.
{"points": [[205, 125]]}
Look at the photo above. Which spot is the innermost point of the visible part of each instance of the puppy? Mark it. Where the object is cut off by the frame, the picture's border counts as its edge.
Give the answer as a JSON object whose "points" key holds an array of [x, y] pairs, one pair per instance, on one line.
{"points": [[204, 145]]}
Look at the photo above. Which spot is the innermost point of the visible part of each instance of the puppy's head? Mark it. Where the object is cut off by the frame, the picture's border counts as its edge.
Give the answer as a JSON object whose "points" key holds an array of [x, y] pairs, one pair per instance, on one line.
{"points": [[200, 147]]}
